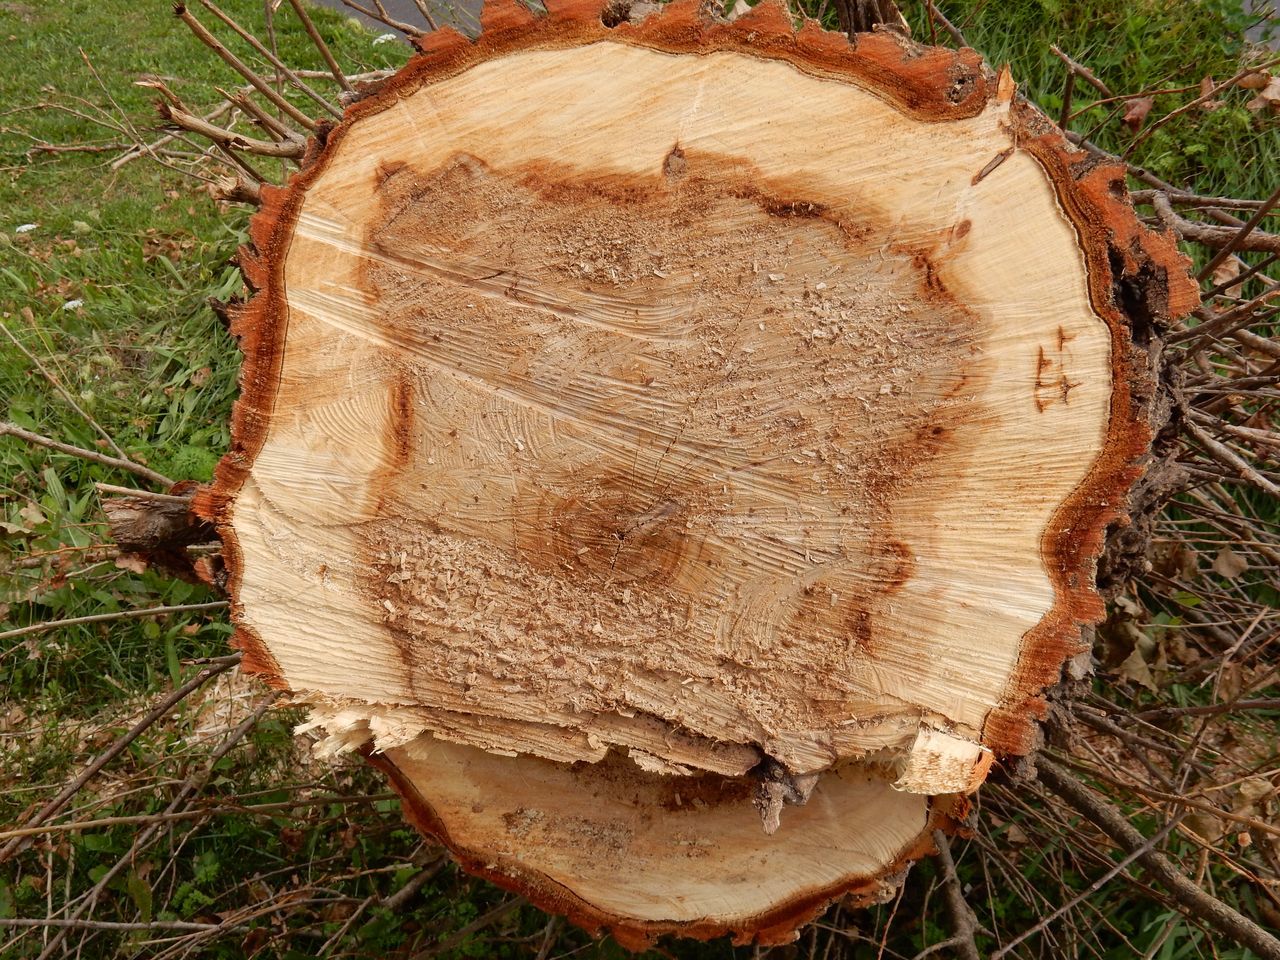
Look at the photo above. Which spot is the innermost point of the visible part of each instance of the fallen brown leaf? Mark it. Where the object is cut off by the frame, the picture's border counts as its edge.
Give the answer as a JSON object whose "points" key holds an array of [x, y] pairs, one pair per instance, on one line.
{"points": [[1268, 98], [1135, 112], [1229, 564]]}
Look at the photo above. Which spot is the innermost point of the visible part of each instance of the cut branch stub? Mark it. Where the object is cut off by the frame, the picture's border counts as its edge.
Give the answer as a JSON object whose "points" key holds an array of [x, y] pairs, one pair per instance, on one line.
{"points": [[645, 428]]}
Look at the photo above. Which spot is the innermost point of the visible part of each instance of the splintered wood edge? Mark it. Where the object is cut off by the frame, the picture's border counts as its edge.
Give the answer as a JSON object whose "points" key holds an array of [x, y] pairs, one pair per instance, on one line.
{"points": [[1138, 282], [775, 926]]}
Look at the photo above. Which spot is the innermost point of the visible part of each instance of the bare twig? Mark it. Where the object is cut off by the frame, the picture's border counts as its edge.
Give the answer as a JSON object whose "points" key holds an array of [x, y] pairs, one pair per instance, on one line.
{"points": [[289, 149], [937, 17], [114, 925], [264, 809], [57, 385], [1085, 74], [323, 47], [1149, 845], [1187, 894], [13, 430], [271, 58], [1240, 240], [117, 615], [381, 15], [208, 39], [17, 844], [482, 921], [963, 922], [193, 785]]}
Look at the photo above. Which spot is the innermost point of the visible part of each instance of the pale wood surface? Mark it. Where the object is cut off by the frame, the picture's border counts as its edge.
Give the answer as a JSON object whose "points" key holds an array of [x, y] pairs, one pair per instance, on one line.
{"points": [[657, 848], [627, 397]]}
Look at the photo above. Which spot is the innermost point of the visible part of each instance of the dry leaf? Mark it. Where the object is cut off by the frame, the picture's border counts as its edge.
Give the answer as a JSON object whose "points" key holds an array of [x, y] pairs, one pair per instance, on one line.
{"points": [[32, 514], [1228, 269], [1229, 564], [1268, 98], [131, 562], [1207, 826], [1135, 112], [1254, 81], [1135, 668], [1206, 88]]}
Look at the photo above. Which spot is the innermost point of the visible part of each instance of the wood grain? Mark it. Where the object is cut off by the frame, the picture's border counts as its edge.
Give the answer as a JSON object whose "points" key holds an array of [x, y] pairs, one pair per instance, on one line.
{"points": [[670, 403]]}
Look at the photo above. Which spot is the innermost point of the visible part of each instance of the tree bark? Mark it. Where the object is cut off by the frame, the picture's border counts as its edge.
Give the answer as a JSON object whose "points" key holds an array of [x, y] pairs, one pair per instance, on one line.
{"points": [[677, 453]]}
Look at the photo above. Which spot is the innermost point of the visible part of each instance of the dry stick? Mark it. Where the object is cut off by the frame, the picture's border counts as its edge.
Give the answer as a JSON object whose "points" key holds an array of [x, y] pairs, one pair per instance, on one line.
{"points": [[1228, 238], [136, 151], [1163, 713], [13, 430], [937, 17], [1067, 91], [57, 385], [264, 119], [1084, 72], [149, 818], [368, 76], [193, 784], [415, 883], [323, 47], [105, 617], [234, 62], [17, 844], [1242, 235], [1188, 199], [444, 946], [383, 17], [290, 149], [1141, 173], [271, 58], [963, 922], [426, 13], [1197, 903], [113, 925], [141, 494], [1227, 456], [1147, 847], [1203, 98]]}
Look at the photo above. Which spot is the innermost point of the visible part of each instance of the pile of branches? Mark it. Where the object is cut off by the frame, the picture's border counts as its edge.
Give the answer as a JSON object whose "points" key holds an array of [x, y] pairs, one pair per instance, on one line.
{"points": [[1173, 798]]}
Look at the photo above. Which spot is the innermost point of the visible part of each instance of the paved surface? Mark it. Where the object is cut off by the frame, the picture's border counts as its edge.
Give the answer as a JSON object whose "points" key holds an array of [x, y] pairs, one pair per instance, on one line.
{"points": [[462, 14]]}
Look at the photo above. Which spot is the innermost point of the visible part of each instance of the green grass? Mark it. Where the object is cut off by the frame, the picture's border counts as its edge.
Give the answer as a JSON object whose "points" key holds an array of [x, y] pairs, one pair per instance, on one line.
{"points": [[141, 250]]}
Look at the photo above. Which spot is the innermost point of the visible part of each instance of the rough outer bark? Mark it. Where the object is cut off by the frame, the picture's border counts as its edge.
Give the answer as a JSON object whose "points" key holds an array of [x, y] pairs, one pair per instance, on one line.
{"points": [[806, 730]]}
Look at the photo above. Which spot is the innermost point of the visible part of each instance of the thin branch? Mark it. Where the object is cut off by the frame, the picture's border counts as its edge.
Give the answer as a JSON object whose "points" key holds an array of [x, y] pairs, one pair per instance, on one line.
{"points": [[289, 149], [136, 151], [13, 430], [937, 17], [1187, 894], [1228, 238], [271, 58], [323, 47], [266, 809], [1203, 98], [50, 809], [382, 16], [193, 785], [963, 921], [114, 925], [208, 39], [1239, 242], [1149, 845], [106, 617], [57, 385], [1083, 72]]}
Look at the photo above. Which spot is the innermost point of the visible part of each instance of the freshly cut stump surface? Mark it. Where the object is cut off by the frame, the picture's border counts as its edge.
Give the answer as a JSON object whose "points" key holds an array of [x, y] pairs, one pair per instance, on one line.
{"points": [[645, 428]]}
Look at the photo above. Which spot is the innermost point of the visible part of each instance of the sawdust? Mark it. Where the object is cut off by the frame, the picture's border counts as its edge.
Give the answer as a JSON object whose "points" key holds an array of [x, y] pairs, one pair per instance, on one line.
{"points": [[648, 438]]}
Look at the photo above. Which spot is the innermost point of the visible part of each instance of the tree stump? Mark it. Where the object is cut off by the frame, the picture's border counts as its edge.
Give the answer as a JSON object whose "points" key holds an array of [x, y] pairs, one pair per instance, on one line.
{"points": [[678, 452]]}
